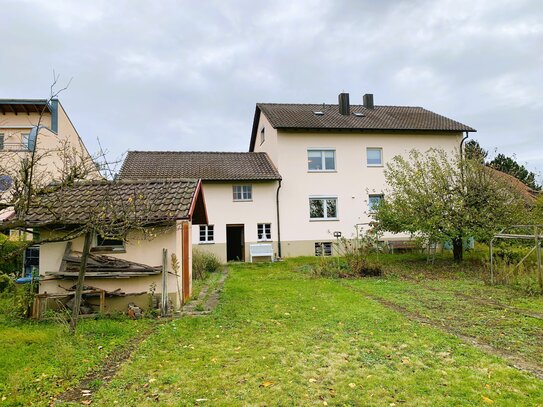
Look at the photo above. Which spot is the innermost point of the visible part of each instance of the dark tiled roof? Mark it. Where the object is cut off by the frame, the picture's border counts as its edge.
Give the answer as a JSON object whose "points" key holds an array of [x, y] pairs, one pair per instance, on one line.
{"points": [[209, 166], [408, 118], [145, 202]]}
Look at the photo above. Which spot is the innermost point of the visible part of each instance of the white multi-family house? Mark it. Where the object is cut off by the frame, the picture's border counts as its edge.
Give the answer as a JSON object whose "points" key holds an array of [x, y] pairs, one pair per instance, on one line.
{"points": [[240, 189], [332, 157], [324, 166]]}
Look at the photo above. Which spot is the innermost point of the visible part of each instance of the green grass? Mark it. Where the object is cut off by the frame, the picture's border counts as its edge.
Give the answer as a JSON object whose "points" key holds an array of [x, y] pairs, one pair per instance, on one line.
{"points": [[40, 360], [280, 337]]}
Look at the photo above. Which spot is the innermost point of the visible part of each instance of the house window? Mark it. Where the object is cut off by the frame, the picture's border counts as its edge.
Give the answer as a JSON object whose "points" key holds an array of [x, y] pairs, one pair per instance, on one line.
{"points": [[262, 135], [1, 141], [207, 234], [323, 208], [263, 231], [109, 242], [374, 156], [323, 248], [373, 201], [5, 182], [242, 192], [321, 160]]}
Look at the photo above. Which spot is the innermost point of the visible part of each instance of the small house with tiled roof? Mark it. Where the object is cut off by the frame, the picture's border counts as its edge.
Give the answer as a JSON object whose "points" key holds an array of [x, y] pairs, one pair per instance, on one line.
{"points": [[141, 240], [332, 157], [240, 188]]}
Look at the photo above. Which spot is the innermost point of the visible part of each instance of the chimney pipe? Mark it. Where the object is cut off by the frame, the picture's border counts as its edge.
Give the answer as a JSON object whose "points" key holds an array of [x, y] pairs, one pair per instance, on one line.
{"points": [[368, 101], [343, 101]]}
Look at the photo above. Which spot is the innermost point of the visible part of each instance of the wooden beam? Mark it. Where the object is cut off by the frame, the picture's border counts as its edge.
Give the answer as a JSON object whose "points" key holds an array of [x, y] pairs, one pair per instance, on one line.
{"points": [[12, 109], [25, 109]]}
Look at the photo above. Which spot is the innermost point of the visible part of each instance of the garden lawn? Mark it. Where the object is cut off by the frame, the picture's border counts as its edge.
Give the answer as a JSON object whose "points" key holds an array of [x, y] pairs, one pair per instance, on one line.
{"points": [[455, 298], [280, 337], [40, 360]]}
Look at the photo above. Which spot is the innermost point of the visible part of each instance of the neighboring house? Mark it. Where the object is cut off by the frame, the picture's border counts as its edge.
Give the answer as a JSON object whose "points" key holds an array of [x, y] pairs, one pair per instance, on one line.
{"points": [[159, 215], [332, 157], [39, 128], [56, 143], [241, 194]]}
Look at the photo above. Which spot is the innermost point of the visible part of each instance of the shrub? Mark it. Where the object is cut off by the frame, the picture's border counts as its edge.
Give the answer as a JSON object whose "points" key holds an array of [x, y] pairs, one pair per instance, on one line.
{"points": [[11, 255], [204, 263], [6, 283], [357, 258]]}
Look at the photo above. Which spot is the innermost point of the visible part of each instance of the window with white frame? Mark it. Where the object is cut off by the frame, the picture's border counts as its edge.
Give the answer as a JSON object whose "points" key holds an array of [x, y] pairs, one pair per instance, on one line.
{"points": [[374, 156], [262, 135], [373, 201], [323, 248], [263, 231], [207, 233], [321, 159], [242, 192], [323, 208]]}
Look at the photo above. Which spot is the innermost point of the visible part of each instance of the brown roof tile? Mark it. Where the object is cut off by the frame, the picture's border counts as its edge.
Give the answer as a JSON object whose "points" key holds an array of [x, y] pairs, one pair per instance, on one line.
{"points": [[301, 116], [209, 166], [143, 201]]}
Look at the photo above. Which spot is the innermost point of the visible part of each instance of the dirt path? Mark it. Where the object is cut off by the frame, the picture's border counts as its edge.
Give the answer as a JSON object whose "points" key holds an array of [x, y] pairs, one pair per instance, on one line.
{"points": [[82, 393], [512, 359], [207, 300]]}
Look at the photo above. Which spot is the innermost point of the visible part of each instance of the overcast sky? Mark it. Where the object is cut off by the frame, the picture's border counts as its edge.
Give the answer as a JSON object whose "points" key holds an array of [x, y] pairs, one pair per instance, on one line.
{"points": [[185, 75]]}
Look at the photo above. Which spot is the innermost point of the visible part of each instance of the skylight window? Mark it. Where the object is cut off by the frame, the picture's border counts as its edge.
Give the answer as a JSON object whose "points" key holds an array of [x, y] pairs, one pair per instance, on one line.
{"points": [[358, 114], [318, 113]]}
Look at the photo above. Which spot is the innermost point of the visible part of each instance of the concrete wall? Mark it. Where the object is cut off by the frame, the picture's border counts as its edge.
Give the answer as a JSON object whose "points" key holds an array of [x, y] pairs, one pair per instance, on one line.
{"points": [[138, 249]]}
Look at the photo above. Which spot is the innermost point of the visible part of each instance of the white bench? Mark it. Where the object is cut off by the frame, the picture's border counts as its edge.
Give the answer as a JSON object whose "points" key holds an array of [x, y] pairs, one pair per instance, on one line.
{"points": [[261, 250]]}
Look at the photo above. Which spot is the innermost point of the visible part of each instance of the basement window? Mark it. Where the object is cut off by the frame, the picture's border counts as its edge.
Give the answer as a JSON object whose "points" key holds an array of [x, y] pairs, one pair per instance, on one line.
{"points": [[323, 249]]}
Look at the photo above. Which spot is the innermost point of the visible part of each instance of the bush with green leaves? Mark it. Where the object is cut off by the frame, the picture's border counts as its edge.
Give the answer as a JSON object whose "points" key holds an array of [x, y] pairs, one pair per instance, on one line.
{"points": [[204, 263]]}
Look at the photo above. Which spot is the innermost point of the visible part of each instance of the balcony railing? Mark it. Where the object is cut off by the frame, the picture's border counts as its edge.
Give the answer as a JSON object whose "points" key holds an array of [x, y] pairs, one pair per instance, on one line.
{"points": [[13, 147]]}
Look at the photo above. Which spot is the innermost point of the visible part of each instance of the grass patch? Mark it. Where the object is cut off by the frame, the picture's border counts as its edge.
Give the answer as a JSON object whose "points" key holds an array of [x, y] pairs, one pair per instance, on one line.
{"points": [[40, 360], [280, 337]]}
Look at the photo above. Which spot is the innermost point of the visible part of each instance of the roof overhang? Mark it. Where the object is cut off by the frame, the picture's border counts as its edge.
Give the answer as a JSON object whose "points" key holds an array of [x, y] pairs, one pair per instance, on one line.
{"points": [[24, 106]]}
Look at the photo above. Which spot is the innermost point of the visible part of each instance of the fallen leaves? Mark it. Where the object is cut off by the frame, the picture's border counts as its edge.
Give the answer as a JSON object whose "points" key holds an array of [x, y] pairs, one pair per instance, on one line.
{"points": [[266, 384]]}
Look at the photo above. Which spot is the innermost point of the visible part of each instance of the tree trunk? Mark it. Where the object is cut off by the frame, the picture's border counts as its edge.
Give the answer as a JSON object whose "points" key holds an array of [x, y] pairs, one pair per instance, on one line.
{"points": [[458, 249], [80, 280]]}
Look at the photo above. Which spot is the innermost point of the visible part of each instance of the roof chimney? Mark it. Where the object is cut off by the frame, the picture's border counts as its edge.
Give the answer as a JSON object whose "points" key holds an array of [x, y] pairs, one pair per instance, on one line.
{"points": [[368, 100], [343, 101]]}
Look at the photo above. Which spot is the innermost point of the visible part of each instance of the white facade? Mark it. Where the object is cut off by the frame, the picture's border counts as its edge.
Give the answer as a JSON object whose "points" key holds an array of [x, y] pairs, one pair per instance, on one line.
{"points": [[349, 183], [227, 213]]}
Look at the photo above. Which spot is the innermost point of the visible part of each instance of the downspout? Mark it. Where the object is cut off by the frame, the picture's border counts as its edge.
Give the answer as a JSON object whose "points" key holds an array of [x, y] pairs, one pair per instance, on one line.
{"points": [[278, 223], [462, 144]]}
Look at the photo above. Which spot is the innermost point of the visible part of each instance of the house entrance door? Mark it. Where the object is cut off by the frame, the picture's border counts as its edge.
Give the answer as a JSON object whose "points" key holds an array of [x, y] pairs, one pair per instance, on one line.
{"points": [[235, 243]]}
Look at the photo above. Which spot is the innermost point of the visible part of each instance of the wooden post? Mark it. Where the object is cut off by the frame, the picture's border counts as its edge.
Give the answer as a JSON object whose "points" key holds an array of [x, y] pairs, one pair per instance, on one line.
{"points": [[102, 301], [81, 280], [538, 249], [164, 302], [185, 282]]}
